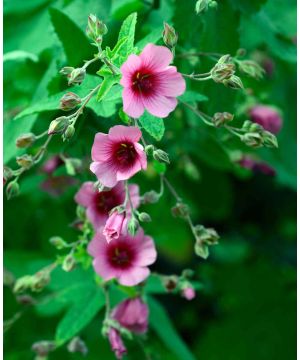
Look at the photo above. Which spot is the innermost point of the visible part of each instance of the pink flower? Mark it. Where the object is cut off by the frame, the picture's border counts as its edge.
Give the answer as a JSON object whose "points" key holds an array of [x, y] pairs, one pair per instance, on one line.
{"points": [[247, 162], [125, 258], [118, 155], [52, 164], [99, 204], [115, 226], [116, 343], [132, 314], [267, 117], [188, 293], [150, 83]]}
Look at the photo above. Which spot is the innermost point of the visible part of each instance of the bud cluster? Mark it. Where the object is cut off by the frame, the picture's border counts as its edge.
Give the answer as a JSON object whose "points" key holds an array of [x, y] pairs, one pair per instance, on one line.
{"points": [[35, 283], [69, 101], [220, 119], [256, 136], [96, 29], [180, 210], [224, 72], [205, 237], [74, 75]]}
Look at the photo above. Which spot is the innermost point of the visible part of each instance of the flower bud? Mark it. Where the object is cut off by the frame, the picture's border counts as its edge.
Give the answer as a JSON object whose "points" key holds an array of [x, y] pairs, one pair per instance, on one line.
{"points": [[220, 119], [251, 68], [58, 125], [208, 236], [253, 140], [12, 190], [57, 242], [269, 140], [132, 226], [25, 140], [25, 161], [40, 280], [69, 263], [7, 173], [161, 156], [188, 292], [69, 132], [149, 149], [69, 101], [25, 299], [201, 6], [77, 345], [96, 28], [144, 217], [222, 71], [42, 348], [213, 4], [170, 36], [77, 76], [8, 278], [150, 197], [246, 125], [201, 250], [170, 282], [234, 82], [67, 70], [180, 210], [22, 284]]}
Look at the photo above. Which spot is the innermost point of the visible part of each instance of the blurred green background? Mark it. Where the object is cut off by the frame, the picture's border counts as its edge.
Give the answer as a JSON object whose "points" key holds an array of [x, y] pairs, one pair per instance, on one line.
{"points": [[247, 308]]}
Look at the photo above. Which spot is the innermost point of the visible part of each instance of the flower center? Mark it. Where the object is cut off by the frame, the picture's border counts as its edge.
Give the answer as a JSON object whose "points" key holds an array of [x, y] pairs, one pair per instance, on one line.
{"points": [[142, 82], [120, 256], [125, 154], [106, 200]]}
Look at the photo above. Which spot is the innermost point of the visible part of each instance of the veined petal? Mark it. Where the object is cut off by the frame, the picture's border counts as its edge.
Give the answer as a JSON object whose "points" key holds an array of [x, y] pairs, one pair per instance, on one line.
{"points": [[170, 82], [132, 103], [156, 58], [133, 276], [160, 106], [121, 133], [85, 194], [131, 65], [101, 149], [105, 173]]}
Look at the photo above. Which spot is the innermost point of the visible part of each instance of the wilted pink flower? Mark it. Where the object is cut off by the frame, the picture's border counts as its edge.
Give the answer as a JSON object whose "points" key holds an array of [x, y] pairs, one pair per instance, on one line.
{"points": [[116, 343], [99, 204], [188, 293], [267, 117], [132, 314], [118, 155], [150, 83], [52, 164], [248, 162], [125, 258], [115, 226]]}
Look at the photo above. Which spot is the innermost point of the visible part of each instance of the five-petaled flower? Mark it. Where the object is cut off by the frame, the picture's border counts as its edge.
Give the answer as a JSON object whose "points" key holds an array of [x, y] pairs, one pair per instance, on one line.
{"points": [[150, 83], [99, 203], [126, 258], [117, 155]]}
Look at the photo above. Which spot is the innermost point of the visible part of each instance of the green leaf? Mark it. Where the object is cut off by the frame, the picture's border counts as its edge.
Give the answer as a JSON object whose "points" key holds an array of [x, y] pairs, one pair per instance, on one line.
{"points": [[192, 96], [153, 125], [162, 325], [107, 84], [76, 45], [80, 314], [127, 31], [19, 55], [247, 6]]}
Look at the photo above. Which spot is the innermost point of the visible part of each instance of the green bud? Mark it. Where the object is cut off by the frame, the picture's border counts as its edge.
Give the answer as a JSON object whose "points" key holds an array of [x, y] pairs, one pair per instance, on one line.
{"points": [[201, 250], [67, 70], [25, 161], [42, 348], [220, 119], [132, 226], [151, 197], [253, 140], [12, 189], [213, 4], [22, 284], [95, 28], [58, 125], [170, 282], [180, 210], [7, 173], [69, 263], [170, 36], [251, 68], [233, 83], [69, 101], [77, 345], [161, 156], [149, 149], [69, 132], [57, 242], [77, 76], [222, 71], [119, 209], [247, 125], [40, 280], [144, 217], [25, 140], [201, 6], [269, 140], [207, 236]]}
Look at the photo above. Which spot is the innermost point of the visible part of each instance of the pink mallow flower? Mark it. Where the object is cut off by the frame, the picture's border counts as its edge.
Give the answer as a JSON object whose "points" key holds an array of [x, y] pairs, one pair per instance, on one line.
{"points": [[132, 314], [99, 204], [188, 293], [117, 155], [115, 225], [125, 258], [116, 343], [267, 117], [150, 83]]}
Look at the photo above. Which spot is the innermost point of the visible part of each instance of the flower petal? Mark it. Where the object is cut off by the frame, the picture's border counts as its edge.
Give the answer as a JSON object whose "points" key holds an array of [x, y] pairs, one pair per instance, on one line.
{"points": [[133, 276], [97, 219], [160, 106], [101, 149], [104, 269], [132, 103], [85, 194], [170, 82], [156, 58], [134, 192], [121, 133], [105, 173], [131, 65], [147, 253], [97, 245]]}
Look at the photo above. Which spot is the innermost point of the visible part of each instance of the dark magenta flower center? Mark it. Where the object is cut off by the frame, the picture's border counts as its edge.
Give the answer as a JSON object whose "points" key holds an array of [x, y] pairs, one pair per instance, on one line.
{"points": [[120, 255], [143, 82], [125, 154], [107, 200]]}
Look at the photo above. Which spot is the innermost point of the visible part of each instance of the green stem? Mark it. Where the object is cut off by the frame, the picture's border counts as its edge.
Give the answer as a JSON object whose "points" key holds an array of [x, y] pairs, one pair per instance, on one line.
{"points": [[201, 115]]}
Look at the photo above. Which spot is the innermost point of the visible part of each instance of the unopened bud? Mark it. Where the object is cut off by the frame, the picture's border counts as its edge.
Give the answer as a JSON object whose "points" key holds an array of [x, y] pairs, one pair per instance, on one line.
{"points": [[251, 68], [7, 173], [69, 263], [25, 161], [269, 140], [42, 348], [12, 190], [170, 36], [253, 140], [180, 210], [151, 197], [208, 236], [132, 226], [233, 83], [77, 76], [67, 70], [58, 125], [22, 284], [69, 101], [161, 156], [77, 345], [25, 140], [69, 132], [144, 217], [57, 242], [149, 149], [247, 125], [96, 28], [220, 119], [170, 282], [222, 71], [201, 6], [40, 280], [213, 4]]}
